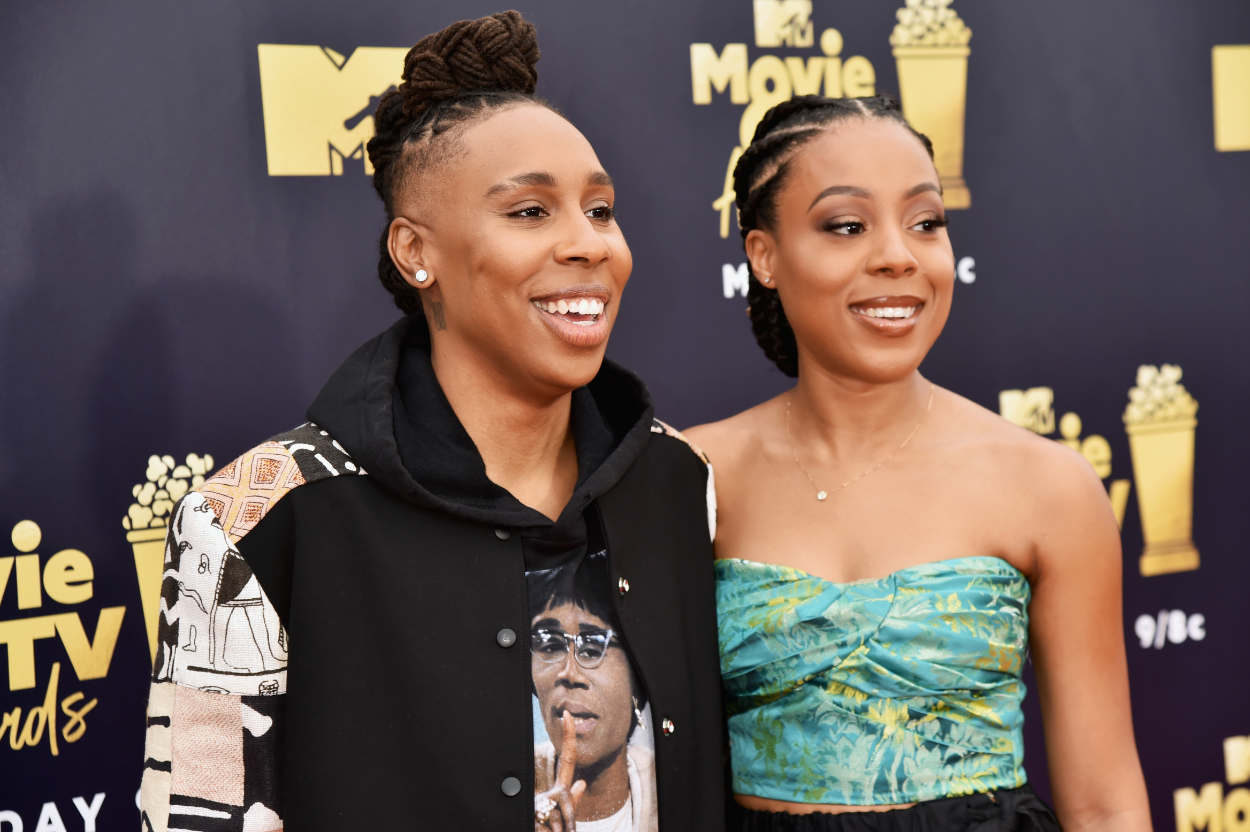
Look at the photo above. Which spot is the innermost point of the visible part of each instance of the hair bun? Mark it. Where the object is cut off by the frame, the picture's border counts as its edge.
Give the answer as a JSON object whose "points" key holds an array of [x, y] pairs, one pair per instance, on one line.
{"points": [[491, 53]]}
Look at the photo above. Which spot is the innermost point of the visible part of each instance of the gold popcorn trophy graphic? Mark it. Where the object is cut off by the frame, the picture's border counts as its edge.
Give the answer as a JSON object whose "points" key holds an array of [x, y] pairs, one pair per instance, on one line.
{"points": [[1160, 421], [931, 49], [145, 523]]}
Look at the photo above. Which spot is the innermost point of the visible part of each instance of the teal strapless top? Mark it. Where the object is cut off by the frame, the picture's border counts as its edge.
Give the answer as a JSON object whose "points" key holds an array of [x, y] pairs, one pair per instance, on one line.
{"points": [[876, 692]]}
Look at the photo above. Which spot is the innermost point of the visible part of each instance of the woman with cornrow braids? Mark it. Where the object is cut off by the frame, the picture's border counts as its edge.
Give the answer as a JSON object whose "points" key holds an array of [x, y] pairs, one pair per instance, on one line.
{"points": [[890, 554], [475, 590]]}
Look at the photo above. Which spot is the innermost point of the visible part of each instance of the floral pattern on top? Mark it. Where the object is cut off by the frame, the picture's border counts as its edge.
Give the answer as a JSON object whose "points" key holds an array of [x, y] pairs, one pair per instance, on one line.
{"points": [[877, 692]]}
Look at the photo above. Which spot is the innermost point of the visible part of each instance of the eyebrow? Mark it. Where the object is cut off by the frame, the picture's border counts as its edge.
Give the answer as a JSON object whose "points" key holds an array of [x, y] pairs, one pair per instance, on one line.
{"points": [[533, 178], [922, 187], [852, 190], [839, 190], [540, 178]]}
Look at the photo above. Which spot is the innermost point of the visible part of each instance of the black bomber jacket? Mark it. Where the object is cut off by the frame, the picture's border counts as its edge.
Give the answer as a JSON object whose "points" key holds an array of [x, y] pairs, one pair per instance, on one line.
{"points": [[344, 635]]}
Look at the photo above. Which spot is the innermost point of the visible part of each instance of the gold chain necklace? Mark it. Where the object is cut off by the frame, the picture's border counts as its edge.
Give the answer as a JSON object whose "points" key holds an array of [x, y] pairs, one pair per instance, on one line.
{"points": [[822, 495]]}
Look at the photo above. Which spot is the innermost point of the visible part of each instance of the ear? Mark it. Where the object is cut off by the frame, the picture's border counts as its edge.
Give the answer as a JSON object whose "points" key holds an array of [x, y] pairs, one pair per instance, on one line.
{"points": [[760, 249], [408, 244]]}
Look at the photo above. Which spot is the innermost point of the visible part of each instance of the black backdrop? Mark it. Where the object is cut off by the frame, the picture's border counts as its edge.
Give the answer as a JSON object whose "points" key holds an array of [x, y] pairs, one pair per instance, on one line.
{"points": [[163, 294]]}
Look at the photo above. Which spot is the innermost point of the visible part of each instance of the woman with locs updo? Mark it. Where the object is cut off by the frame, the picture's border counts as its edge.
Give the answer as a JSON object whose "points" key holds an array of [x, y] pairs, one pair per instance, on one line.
{"points": [[889, 553], [360, 628]]}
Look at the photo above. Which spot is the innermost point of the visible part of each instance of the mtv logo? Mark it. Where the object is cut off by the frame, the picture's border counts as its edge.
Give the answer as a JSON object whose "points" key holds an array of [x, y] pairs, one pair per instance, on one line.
{"points": [[784, 23], [1031, 409], [319, 105]]}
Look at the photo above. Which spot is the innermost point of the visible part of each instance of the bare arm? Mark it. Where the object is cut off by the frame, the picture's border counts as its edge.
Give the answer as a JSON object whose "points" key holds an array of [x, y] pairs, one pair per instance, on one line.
{"points": [[1076, 630]]}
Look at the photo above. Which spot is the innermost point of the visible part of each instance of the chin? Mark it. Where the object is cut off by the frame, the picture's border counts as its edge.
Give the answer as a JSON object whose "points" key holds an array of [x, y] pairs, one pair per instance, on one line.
{"points": [[889, 365], [889, 371], [568, 372]]}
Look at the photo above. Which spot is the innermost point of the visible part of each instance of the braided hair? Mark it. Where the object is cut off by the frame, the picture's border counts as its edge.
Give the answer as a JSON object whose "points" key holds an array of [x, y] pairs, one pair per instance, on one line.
{"points": [[758, 178], [451, 78]]}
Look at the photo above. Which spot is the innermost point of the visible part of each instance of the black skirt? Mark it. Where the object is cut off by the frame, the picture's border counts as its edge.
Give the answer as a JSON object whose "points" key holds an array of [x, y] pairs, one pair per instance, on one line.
{"points": [[1013, 810]]}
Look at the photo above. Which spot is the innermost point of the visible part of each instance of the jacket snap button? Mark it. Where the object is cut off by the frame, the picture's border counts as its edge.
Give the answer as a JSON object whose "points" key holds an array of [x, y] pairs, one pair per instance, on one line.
{"points": [[622, 585], [668, 727], [505, 637], [510, 786], [503, 534]]}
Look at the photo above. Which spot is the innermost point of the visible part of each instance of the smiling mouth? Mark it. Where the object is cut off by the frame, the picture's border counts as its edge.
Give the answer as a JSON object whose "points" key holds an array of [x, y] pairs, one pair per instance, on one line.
{"points": [[895, 312], [576, 311], [892, 315]]}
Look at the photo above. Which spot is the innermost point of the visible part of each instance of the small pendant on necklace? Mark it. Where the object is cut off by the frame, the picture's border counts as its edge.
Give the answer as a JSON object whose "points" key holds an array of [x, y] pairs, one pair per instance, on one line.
{"points": [[820, 495]]}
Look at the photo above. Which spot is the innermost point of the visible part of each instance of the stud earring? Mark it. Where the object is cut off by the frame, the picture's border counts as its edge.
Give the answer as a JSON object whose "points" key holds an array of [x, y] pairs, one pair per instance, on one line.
{"points": [[422, 276], [638, 715]]}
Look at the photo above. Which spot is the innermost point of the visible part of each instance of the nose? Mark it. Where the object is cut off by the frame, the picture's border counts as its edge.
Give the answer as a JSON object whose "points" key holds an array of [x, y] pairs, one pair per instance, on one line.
{"points": [[572, 674], [891, 257], [581, 242]]}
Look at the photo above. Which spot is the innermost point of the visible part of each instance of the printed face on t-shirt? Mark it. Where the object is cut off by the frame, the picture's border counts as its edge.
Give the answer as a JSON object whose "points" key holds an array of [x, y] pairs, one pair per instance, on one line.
{"points": [[579, 665], [594, 752]]}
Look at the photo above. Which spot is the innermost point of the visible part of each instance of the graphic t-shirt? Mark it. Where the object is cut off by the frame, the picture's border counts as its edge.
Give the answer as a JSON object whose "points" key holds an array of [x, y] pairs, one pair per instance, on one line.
{"points": [[579, 659], [593, 736]]}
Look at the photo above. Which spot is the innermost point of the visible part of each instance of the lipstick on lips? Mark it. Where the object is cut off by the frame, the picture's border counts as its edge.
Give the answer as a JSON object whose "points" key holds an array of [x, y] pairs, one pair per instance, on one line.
{"points": [[888, 314]]}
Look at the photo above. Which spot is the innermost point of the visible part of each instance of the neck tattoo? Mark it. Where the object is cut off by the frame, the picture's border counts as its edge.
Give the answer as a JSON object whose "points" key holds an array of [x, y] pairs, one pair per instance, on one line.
{"points": [[824, 495]]}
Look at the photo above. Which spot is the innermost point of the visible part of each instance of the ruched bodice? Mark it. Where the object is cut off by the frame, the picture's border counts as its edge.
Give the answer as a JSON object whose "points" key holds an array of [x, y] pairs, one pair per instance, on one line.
{"points": [[895, 690]]}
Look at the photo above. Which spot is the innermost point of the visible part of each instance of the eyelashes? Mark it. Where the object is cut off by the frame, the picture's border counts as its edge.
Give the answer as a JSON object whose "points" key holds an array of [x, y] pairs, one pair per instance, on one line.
{"points": [[853, 228], [602, 213], [845, 228]]}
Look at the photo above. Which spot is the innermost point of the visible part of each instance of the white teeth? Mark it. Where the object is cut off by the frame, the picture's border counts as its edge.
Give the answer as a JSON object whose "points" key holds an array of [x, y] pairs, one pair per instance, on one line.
{"points": [[890, 312], [584, 306]]}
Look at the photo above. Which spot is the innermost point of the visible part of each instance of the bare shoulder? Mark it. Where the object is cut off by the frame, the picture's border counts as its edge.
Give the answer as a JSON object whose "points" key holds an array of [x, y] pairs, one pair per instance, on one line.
{"points": [[726, 442], [1056, 480]]}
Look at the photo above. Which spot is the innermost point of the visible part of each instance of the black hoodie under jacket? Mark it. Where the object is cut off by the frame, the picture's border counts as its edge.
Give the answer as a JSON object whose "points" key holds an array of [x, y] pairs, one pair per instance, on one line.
{"points": [[373, 538]]}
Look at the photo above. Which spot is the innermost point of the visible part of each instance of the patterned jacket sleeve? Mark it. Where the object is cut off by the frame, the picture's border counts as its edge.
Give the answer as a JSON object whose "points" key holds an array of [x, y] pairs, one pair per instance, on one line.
{"points": [[215, 711]]}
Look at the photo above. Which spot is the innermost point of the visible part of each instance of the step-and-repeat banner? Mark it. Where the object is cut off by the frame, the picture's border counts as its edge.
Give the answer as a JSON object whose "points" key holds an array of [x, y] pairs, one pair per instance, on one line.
{"points": [[187, 249]]}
